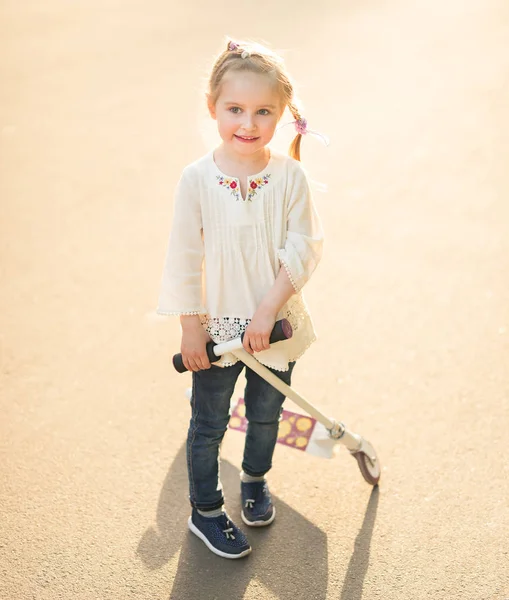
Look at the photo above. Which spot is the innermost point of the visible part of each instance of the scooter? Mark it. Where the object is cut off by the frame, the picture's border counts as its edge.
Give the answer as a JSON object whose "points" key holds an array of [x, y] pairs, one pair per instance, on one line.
{"points": [[335, 431]]}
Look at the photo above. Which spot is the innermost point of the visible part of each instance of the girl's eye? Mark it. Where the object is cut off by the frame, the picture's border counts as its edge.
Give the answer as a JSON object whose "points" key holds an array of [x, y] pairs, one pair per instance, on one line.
{"points": [[263, 111], [235, 110]]}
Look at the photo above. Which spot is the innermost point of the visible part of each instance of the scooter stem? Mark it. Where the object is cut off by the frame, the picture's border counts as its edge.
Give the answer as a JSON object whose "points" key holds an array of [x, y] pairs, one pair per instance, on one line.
{"points": [[350, 440]]}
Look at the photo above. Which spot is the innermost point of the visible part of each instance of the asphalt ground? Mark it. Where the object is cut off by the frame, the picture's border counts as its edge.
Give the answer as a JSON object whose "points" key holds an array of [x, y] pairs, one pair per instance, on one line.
{"points": [[101, 106]]}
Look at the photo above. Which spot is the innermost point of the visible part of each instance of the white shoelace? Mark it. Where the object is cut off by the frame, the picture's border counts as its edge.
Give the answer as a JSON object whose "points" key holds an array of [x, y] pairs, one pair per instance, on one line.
{"points": [[249, 503], [229, 533]]}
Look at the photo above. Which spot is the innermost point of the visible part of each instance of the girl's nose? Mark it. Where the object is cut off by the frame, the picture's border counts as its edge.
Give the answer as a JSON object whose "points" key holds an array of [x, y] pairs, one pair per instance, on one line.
{"points": [[249, 122]]}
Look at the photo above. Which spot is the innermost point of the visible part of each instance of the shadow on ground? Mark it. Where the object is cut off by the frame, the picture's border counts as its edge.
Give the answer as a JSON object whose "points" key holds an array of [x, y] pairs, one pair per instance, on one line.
{"points": [[359, 562], [289, 558]]}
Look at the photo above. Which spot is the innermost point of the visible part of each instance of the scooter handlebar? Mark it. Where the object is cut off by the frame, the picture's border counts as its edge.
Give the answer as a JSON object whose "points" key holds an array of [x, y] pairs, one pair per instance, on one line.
{"points": [[282, 331]]}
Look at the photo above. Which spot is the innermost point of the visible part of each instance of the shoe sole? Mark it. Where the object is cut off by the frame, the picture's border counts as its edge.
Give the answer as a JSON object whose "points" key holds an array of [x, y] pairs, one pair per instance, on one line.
{"points": [[202, 537], [258, 523]]}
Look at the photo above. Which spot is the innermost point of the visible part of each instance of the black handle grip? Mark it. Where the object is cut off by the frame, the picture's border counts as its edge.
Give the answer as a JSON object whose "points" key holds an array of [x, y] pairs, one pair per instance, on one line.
{"points": [[178, 363], [282, 331]]}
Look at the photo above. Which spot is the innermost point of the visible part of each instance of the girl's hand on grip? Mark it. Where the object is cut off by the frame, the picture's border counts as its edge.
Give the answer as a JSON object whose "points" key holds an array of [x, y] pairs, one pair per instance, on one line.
{"points": [[194, 341], [256, 337]]}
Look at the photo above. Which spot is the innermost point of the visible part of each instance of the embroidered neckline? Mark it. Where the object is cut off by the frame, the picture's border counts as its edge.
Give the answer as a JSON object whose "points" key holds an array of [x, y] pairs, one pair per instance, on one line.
{"points": [[254, 184]]}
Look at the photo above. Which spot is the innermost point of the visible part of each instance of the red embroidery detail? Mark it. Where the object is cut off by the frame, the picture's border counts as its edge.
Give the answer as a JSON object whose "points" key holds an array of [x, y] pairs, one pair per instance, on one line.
{"points": [[255, 184]]}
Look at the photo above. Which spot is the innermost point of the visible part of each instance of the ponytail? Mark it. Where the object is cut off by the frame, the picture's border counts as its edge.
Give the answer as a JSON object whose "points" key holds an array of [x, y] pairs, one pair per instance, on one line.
{"points": [[294, 150], [300, 126]]}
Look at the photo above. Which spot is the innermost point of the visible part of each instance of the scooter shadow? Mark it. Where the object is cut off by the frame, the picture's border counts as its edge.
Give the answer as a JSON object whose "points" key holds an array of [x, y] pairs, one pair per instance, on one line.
{"points": [[289, 558], [358, 566]]}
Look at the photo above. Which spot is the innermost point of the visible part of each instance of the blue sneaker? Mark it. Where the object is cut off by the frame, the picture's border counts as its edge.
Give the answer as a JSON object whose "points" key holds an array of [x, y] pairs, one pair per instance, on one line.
{"points": [[257, 509], [219, 535]]}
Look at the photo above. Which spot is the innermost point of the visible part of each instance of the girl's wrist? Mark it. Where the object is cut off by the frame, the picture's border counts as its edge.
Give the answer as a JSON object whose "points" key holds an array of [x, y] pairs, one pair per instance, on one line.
{"points": [[267, 309], [190, 321]]}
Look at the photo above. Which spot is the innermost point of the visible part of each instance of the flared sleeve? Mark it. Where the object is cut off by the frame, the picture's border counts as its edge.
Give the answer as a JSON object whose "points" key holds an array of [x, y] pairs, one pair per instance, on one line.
{"points": [[304, 238], [181, 286]]}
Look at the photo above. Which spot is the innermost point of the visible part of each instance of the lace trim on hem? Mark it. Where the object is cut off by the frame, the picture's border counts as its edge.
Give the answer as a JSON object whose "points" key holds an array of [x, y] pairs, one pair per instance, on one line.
{"points": [[308, 345], [224, 329], [229, 363], [290, 276]]}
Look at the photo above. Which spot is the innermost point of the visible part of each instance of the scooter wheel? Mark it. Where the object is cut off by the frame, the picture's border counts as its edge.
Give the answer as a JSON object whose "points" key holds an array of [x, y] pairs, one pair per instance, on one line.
{"points": [[369, 468]]}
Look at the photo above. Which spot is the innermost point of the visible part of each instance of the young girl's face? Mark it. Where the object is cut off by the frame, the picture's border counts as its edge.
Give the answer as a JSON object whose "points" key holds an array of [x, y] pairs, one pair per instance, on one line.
{"points": [[247, 111]]}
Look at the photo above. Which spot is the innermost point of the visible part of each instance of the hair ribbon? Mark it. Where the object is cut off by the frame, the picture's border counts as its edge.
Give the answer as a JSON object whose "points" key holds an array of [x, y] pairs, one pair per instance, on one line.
{"points": [[301, 127]]}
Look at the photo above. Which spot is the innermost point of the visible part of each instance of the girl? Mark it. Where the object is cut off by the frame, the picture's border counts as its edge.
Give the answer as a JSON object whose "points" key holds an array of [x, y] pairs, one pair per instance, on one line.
{"points": [[245, 239]]}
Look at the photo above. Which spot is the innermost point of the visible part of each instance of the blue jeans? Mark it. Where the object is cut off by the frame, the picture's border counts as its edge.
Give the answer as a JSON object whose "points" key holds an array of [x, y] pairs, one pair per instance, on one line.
{"points": [[210, 401]]}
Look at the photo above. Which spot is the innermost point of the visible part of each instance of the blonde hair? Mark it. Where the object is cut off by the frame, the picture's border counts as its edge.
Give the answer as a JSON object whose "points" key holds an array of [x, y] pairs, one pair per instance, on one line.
{"points": [[248, 56]]}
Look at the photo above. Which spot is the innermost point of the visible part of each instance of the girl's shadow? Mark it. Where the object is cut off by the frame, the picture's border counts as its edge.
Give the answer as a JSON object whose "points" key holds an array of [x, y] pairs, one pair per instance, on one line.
{"points": [[289, 558]]}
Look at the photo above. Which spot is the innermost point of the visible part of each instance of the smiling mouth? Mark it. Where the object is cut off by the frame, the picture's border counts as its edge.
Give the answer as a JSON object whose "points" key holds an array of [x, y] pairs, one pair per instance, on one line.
{"points": [[246, 138]]}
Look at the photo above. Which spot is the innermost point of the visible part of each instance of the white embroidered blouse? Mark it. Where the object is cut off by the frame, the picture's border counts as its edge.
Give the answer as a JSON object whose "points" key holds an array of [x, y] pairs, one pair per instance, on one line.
{"points": [[225, 251]]}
